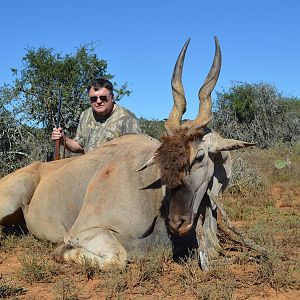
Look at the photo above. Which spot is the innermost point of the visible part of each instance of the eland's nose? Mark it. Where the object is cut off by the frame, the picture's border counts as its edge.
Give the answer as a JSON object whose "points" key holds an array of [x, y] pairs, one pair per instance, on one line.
{"points": [[176, 224]]}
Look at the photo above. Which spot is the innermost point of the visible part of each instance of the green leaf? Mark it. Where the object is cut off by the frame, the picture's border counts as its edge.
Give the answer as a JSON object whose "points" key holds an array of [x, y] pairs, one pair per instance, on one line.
{"points": [[280, 164]]}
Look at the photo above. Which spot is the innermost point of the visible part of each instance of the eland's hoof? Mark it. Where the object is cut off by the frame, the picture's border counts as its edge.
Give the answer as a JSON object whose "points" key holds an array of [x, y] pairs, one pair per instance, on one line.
{"points": [[58, 253]]}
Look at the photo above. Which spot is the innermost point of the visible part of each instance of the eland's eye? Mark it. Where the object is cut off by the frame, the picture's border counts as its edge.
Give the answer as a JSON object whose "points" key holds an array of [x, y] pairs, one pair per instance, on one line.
{"points": [[200, 155]]}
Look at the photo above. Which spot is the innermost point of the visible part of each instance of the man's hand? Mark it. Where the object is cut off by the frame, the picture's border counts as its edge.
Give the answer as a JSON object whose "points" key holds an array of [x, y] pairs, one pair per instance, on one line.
{"points": [[57, 134], [71, 145]]}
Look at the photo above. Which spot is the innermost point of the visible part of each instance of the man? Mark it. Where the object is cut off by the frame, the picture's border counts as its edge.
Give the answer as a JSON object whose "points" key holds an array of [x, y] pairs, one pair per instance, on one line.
{"points": [[100, 123]]}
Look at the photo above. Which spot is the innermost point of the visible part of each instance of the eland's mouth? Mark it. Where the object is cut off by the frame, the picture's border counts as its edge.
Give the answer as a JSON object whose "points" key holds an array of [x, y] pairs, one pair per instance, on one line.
{"points": [[184, 230], [181, 226]]}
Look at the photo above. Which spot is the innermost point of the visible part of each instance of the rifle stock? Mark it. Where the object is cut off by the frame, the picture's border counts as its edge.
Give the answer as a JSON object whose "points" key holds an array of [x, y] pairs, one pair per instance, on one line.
{"points": [[57, 150]]}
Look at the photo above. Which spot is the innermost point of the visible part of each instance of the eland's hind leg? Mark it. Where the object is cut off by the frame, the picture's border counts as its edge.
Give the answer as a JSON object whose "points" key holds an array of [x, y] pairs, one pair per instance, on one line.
{"points": [[16, 191], [103, 249]]}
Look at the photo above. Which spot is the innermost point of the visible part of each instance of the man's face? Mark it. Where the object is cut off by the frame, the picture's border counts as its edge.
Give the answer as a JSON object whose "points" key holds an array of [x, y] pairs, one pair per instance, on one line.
{"points": [[101, 101]]}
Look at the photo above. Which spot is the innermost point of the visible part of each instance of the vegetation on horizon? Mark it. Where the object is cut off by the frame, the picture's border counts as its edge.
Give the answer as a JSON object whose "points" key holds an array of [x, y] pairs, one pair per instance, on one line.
{"points": [[257, 113], [28, 107]]}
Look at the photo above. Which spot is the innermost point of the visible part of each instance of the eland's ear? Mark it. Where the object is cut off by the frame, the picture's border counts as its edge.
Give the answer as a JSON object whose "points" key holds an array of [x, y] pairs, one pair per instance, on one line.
{"points": [[147, 164], [229, 144]]}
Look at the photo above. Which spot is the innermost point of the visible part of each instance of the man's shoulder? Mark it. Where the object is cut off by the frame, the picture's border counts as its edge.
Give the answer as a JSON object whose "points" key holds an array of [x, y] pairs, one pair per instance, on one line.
{"points": [[125, 120], [121, 111], [87, 112]]}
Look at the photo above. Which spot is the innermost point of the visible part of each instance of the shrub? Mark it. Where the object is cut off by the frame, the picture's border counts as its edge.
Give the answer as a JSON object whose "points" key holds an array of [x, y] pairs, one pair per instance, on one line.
{"points": [[257, 113], [154, 128]]}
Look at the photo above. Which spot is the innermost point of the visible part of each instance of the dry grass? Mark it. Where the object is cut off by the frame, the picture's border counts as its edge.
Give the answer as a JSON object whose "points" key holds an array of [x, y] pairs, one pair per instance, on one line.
{"points": [[37, 268], [65, 289], [10, 289], [217, 283]]}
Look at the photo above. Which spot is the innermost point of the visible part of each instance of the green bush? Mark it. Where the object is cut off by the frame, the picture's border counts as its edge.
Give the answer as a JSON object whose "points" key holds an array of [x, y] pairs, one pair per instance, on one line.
{"points": [[257, 113], [154, 128]]}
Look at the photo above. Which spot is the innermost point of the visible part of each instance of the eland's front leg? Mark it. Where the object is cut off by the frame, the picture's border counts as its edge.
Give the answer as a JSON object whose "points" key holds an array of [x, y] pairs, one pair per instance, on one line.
{"points": [[103, 249]]}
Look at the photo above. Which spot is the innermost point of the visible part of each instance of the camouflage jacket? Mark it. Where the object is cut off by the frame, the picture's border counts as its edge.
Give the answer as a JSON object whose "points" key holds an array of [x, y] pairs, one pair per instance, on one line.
{"points": [[93, 131]]}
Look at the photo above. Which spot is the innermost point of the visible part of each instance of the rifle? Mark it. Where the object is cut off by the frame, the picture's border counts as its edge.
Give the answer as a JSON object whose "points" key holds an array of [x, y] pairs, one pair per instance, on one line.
{"points": [[57, 142]]}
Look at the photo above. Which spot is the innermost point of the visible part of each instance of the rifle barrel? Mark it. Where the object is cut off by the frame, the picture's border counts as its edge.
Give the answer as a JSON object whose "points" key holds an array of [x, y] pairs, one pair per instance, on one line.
{"points": [[57, 142]]}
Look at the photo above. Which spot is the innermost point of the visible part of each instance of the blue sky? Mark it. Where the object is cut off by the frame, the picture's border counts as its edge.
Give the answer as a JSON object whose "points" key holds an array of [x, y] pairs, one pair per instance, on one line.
{"points": [[260, 41]]}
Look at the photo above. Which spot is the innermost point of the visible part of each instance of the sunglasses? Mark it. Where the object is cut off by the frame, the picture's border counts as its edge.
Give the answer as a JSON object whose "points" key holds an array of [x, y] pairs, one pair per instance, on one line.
{"points": [[102, 98]]}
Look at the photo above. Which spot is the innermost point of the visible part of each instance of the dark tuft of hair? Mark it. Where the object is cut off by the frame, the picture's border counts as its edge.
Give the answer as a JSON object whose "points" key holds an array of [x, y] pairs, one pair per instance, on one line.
{"points": [[173, 156]]}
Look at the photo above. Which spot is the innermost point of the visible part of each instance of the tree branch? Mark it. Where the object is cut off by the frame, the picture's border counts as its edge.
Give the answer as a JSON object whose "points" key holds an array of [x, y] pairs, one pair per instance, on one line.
{"points": [[14, 152]]}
